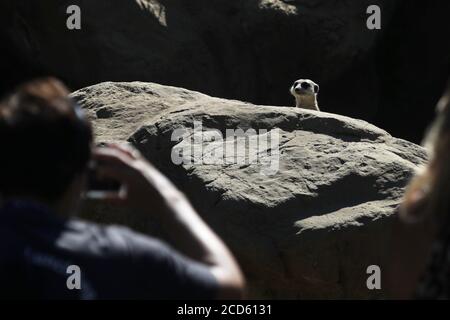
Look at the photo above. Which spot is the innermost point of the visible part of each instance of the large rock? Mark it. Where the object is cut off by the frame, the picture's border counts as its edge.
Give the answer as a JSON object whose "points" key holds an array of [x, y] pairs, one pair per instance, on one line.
{"points": [[309, 228]]}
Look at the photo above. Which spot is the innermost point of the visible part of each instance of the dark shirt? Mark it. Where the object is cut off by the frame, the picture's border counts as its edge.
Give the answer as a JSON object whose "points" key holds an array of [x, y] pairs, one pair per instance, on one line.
{"points": [[43, 256], [435, 282]]}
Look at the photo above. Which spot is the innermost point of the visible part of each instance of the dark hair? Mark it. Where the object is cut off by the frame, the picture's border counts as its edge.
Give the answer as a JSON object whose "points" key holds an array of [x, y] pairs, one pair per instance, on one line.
{"points": [[44, 139], [429, 192]]}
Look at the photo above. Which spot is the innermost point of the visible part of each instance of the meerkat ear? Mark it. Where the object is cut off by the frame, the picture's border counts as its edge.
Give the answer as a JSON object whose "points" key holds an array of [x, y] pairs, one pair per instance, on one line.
{"points": [[316, 88]]}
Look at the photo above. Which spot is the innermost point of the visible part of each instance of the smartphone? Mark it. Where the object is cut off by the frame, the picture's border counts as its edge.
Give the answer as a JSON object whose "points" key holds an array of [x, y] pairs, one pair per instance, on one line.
{"points": [[100, 188]]}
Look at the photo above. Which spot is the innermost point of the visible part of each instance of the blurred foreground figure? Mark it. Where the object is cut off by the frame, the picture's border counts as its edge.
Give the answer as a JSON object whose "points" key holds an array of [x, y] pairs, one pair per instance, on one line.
{"points": [[421, 252], [46, 254]]}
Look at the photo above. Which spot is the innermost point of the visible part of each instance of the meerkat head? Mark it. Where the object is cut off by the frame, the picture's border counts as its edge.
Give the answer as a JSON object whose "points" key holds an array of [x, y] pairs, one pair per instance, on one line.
{"points": [[305, 93], [304, 87]]}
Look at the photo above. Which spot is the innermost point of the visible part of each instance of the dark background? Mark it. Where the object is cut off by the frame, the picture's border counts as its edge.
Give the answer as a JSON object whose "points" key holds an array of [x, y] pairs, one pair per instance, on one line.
{"points": [[243, 50]]}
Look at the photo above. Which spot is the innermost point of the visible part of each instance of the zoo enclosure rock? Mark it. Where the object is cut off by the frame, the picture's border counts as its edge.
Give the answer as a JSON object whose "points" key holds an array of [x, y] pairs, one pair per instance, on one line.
{"points": [[308, 231]]}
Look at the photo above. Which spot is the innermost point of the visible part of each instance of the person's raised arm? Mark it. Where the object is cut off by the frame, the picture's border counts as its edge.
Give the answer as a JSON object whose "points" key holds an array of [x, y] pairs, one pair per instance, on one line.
{"points": [[147, 190]]}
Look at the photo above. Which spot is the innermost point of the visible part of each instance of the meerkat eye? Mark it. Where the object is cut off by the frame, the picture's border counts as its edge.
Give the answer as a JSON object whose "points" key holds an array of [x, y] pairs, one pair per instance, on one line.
{"points": [[316, 88]]}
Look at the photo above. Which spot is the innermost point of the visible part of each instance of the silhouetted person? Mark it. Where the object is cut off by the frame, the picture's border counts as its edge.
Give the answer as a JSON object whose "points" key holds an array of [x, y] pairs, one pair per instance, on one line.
{"points": [[45, 149], [421, 251]]}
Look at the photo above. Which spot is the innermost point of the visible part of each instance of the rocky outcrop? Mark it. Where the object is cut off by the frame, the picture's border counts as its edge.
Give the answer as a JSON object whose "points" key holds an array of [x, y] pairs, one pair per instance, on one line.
{"points": [[306, 209]]}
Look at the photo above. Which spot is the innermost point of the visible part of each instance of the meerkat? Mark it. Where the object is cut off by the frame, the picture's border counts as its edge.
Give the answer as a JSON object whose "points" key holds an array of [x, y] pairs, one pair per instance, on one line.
{"points": [[305, 92]]}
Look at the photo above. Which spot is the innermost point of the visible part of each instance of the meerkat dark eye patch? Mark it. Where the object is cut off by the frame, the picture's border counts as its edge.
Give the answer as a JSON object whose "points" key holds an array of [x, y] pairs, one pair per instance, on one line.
{"points": [[316, 88], [305, 85]]}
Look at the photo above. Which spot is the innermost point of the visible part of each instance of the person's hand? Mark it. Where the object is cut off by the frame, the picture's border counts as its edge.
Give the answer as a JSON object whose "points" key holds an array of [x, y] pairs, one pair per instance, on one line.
{"points": [[144, 187], [148, 190]]}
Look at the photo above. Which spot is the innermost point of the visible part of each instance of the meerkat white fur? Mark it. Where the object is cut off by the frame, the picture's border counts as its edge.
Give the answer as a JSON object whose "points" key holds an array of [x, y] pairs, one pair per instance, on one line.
{"points": [[305, 92]]}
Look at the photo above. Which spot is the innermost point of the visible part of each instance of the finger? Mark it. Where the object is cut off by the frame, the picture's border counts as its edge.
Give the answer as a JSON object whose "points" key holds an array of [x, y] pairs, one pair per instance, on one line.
{"points": [[127, 149], [132, 152], [110, 155]]}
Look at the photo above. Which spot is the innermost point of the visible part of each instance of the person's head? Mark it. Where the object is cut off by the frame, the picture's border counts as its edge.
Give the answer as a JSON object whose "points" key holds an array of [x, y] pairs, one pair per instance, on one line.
{"points": [[429, 192], [45, 144]]}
